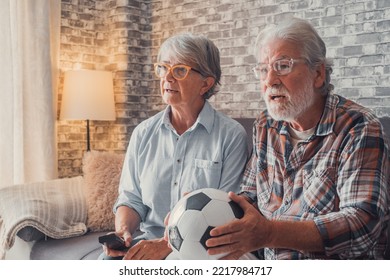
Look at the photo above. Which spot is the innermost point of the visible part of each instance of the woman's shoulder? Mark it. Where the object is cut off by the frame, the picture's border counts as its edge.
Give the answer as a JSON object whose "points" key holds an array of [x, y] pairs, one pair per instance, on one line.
{"points": [[225, 121], [149, 123]]}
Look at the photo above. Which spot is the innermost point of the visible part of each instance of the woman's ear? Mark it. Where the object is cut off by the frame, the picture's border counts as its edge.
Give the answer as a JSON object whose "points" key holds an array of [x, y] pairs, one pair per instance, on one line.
{"points": [[319, 76], [207, 84]]}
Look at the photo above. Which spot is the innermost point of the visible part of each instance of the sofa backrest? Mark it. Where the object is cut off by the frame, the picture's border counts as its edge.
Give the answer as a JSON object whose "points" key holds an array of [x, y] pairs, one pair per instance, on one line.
{"points": [[385, 121], [247, 123]]}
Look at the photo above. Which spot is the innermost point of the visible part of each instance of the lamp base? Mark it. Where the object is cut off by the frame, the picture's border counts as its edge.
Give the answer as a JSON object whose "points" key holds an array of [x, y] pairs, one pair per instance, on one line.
{"points": [[88, 141]]}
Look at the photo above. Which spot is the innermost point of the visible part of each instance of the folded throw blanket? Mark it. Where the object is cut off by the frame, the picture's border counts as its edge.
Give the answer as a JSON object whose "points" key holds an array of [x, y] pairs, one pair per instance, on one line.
{"points": [[57, 208]]}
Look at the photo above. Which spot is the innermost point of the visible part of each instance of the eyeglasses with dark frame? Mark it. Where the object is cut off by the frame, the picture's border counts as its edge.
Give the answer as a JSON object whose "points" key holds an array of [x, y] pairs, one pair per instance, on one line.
{"points": [[178, 71], [281, 67]]}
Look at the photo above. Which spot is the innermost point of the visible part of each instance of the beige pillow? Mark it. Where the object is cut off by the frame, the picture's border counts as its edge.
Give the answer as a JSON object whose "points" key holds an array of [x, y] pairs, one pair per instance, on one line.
{"points": [[101, 180]]}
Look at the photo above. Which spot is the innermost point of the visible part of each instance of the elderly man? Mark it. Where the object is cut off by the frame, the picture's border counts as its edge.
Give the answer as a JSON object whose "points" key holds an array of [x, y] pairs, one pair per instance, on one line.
{"points": [[316, 184]]}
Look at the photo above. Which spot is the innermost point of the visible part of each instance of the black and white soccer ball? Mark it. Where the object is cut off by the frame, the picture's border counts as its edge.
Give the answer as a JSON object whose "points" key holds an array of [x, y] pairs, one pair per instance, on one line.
{"points": [[192, 219]]}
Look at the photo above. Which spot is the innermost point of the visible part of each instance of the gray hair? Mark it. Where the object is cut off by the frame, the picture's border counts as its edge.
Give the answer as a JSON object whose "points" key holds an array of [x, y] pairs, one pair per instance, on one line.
{"points": [[300, 31], [196, 50]]}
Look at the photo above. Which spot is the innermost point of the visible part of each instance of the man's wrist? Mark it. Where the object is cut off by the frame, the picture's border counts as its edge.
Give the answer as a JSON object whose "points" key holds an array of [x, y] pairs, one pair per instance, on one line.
{"points": [[250, 197]]}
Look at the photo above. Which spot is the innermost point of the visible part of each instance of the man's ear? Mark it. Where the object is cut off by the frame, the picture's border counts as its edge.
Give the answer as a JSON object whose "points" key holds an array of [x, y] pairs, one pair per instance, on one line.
{"points": [[319, 76], [207, 84]]}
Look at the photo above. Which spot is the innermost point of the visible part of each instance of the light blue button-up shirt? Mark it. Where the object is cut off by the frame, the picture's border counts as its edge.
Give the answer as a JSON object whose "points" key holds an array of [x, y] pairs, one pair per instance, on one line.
{"points": [[161, 166]]}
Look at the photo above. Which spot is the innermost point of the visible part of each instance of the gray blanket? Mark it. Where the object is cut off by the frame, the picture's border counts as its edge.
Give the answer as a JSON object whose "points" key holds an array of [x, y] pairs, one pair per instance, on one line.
{"points": [[57, 208]]}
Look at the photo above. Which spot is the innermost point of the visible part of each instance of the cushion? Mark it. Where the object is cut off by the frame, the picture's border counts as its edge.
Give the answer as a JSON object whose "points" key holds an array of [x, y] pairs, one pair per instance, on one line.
{"points": [[101, 180]]}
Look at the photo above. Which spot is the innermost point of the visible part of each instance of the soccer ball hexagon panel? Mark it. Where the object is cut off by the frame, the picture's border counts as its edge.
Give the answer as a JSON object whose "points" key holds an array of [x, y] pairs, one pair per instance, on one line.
{"points": [[192, 219]]}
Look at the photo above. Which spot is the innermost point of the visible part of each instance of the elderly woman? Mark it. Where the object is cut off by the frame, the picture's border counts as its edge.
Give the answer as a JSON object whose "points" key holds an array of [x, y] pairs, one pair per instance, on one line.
{"points": [[187, 146]]}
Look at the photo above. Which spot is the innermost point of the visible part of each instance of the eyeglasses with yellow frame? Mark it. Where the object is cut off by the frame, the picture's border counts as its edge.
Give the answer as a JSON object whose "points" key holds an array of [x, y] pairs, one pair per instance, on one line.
{"points": [[178, 71]]}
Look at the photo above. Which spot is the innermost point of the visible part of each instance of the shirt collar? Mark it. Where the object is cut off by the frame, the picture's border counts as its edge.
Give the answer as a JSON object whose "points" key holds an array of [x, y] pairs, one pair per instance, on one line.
{"points": [[328, 118], [205, 118]]}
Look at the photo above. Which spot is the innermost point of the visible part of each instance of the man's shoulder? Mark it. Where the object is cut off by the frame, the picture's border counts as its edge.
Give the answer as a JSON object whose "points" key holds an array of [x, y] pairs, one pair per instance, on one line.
{"points": [[350, 114], [350, 109]]}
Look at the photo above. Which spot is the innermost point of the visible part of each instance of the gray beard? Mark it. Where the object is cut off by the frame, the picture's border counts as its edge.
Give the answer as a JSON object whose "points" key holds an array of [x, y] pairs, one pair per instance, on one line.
{"points": [[294, 106]]}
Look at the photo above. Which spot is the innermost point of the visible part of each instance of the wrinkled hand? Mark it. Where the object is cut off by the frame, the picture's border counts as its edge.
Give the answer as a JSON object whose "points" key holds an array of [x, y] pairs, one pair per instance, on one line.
{"points": [[156, 249], [240, 236], [116, 253]]}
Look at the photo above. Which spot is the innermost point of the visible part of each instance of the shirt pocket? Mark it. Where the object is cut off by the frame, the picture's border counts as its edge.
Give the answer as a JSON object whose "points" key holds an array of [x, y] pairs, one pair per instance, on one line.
{"points": [[320, 191], [207, 173], [265, 180]]}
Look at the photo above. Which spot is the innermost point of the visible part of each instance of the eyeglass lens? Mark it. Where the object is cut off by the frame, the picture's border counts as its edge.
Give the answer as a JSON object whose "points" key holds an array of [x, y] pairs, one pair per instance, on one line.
{"points": [[281, 67], [178, 72]]}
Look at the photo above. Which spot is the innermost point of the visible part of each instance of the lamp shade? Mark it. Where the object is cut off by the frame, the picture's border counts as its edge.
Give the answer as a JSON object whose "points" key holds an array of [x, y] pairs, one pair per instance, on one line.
{"points": [[88, 95]]}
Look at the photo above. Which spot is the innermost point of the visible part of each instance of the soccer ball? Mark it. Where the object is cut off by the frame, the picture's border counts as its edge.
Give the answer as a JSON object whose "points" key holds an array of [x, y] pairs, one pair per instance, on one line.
{"points": [[192, 219]]}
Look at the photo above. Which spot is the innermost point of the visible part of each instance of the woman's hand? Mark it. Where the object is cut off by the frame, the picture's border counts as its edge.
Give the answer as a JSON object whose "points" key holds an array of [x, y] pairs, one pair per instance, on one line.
{"points": [[126, 236], [166, 221], [156, 249]]}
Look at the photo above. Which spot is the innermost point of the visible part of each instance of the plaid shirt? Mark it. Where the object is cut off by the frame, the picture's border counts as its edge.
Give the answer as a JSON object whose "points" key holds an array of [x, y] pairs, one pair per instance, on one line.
{"points": [[338, 178]]}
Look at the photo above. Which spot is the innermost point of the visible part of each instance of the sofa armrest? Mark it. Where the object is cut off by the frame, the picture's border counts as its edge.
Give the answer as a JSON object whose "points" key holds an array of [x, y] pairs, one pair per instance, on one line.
{"points": [[29, 234]]}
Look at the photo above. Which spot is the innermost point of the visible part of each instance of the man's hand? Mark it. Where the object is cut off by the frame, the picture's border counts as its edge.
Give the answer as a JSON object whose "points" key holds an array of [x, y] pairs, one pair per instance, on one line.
{"points": [[156, 249], [247, 234]]}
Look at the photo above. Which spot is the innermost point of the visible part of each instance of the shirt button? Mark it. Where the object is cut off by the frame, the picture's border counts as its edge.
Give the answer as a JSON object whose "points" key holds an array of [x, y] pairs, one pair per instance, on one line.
{"points": [[178, 161]]}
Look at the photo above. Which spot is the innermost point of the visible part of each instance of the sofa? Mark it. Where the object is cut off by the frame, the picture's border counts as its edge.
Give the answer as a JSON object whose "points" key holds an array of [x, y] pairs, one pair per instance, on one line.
{"points": [[61, 218], [73, 211]]}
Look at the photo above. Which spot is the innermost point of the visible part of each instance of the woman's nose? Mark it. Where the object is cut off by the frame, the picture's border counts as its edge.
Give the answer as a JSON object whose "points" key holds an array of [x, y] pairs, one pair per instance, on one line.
{"points": [[168, 76]]}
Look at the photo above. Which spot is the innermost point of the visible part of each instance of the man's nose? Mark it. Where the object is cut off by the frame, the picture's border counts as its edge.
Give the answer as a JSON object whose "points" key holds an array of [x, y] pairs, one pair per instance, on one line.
{"points": [[272, 78]]}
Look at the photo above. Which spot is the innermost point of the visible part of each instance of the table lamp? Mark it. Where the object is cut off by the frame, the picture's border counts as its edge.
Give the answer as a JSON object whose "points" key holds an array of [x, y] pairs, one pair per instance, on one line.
{"points": [[88, 95]]}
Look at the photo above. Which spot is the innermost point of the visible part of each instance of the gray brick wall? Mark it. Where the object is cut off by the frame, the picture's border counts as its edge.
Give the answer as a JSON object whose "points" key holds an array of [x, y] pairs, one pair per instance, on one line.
{"points": [[123, 36], [114, 36]]}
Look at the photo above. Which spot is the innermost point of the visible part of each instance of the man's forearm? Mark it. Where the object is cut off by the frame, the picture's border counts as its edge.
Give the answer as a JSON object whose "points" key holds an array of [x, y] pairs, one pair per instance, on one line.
{"points": [[300, 235]]}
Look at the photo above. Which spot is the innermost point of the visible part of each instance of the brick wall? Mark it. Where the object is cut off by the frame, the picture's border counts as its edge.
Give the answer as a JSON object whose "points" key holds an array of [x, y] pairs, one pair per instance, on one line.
{"points": [[113, 36], [123, 36]]}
